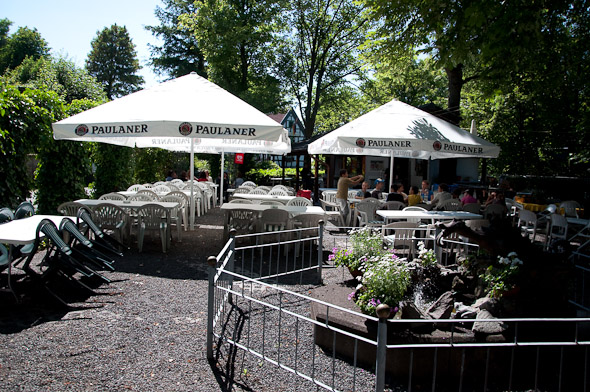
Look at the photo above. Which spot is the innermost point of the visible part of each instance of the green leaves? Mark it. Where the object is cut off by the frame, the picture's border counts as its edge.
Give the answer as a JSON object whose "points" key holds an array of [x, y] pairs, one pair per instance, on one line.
{"points": [[113, 62]]}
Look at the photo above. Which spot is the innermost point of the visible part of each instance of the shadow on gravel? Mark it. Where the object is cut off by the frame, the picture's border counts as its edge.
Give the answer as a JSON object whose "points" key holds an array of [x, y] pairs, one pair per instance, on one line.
{"points": [[223, 363], [186, 259], [36, 305]]}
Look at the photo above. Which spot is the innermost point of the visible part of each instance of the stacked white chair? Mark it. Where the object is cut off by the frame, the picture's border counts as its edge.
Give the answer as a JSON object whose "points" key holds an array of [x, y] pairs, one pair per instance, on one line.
{"points": [[299, 201], [135, 188], [278, 192], [161, 189]]}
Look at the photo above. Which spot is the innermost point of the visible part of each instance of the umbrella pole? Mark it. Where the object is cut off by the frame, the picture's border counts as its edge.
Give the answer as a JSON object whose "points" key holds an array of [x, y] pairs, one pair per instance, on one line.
{"points": [[221, 179], [390, 172], [192, 176]]}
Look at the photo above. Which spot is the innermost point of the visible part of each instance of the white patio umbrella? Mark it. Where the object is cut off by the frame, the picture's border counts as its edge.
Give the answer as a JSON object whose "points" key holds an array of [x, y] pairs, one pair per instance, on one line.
{"points": [[397, 129], [185, 112]]}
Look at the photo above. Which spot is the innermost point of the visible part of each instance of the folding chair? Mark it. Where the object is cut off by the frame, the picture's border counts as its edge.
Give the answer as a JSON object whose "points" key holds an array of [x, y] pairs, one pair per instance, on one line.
{"points": [[99, 238], [59, 260], [81, 244]]}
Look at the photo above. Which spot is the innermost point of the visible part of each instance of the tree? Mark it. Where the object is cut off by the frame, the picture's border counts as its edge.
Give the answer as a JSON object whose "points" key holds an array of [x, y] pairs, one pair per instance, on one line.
{"points": [[179, 53], [59, 75], [321, 52], [113, 62], [484, 39], [25, 131], [20, 45], [236, 38]]}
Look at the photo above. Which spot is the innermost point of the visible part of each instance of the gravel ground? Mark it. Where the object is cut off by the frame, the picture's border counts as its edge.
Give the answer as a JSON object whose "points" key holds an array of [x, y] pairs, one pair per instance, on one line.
{"points": [[145, 331]]}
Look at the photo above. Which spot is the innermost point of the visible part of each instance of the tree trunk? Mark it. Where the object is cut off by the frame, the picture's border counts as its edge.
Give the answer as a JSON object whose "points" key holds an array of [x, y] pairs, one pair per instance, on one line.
{"points": [[455, 77]]}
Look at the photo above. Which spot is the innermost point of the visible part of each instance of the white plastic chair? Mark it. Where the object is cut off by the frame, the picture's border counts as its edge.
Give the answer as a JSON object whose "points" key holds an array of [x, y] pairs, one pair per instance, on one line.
{"points": [[149, 193], [365, 213], [135, 188], [249, 183], [449, 205], [527, 222], [112, 196], [275, 220], [570, 208], [278, 192], [161, 189], [153, 217], [494, 211], [259, 191], [393, 205], [557, 229], [474, 208], [187, 206], [402, 237], [241, 201], [299, 201], [176, 214]]}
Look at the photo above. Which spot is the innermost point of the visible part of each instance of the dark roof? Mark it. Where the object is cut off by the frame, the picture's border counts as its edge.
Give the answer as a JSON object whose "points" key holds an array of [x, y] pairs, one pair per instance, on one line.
{"points": [[278, 117], [301, 147]]}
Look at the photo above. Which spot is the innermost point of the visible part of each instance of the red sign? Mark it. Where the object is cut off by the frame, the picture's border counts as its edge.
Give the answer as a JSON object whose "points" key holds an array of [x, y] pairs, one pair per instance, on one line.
{"points": [[239, 159]]}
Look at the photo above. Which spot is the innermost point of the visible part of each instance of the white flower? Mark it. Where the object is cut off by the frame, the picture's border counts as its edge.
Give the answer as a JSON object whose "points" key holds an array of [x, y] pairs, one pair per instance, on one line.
{"points": [[512, 254]]}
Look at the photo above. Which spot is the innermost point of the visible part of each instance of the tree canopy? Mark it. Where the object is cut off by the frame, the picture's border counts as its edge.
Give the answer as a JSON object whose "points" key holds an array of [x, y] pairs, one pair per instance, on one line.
{"points": [[20, 45], [237, 39], [113, 62], [179, 53]]}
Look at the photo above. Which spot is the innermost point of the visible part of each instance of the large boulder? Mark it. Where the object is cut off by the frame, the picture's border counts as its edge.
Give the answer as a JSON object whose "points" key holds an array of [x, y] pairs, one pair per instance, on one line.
{"points": [[443, 307], [488, 327]]}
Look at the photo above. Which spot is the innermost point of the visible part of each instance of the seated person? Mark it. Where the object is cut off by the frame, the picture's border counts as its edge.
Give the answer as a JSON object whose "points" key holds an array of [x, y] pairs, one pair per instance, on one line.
{"points": [[468, 198], [361, 193], [379, 184], [414, 197], [238, 181], [442, 195], [400, 190], [394, 195], [425, 192]]}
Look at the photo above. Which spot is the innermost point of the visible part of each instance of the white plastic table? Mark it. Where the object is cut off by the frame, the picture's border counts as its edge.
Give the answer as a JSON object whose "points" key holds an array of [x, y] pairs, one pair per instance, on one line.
{"points": [[24, 231], [389, 215], [293, 210], [260, 198]]}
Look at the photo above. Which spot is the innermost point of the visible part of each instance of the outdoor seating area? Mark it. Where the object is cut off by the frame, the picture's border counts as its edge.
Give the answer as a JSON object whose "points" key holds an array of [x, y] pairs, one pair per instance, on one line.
{"points": [[55, 250]]}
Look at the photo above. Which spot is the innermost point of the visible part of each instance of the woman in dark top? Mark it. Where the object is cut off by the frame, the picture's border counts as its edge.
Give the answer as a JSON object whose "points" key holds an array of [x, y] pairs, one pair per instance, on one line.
{"points": [[394, 195]]}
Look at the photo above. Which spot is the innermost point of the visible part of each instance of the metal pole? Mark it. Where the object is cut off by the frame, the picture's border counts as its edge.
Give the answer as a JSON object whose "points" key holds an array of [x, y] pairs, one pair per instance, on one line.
{"points": [[320, 249], [192, 176], [383, 312], [221, 177], [212, 261]]}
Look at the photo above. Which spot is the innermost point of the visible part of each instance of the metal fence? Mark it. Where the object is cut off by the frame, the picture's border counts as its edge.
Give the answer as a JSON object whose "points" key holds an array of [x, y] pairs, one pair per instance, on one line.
{"points": [[260, 306]]}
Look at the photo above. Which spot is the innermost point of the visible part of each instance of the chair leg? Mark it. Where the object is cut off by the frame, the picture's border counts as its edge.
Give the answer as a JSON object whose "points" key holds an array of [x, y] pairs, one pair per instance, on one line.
{"points": [[140, 234], [164, 236]]}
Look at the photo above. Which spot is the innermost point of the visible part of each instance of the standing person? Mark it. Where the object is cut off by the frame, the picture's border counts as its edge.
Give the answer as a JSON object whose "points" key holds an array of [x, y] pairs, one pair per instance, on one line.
{"points": [[306, 177], [425, 192], [342, 191], [364, 189]]}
